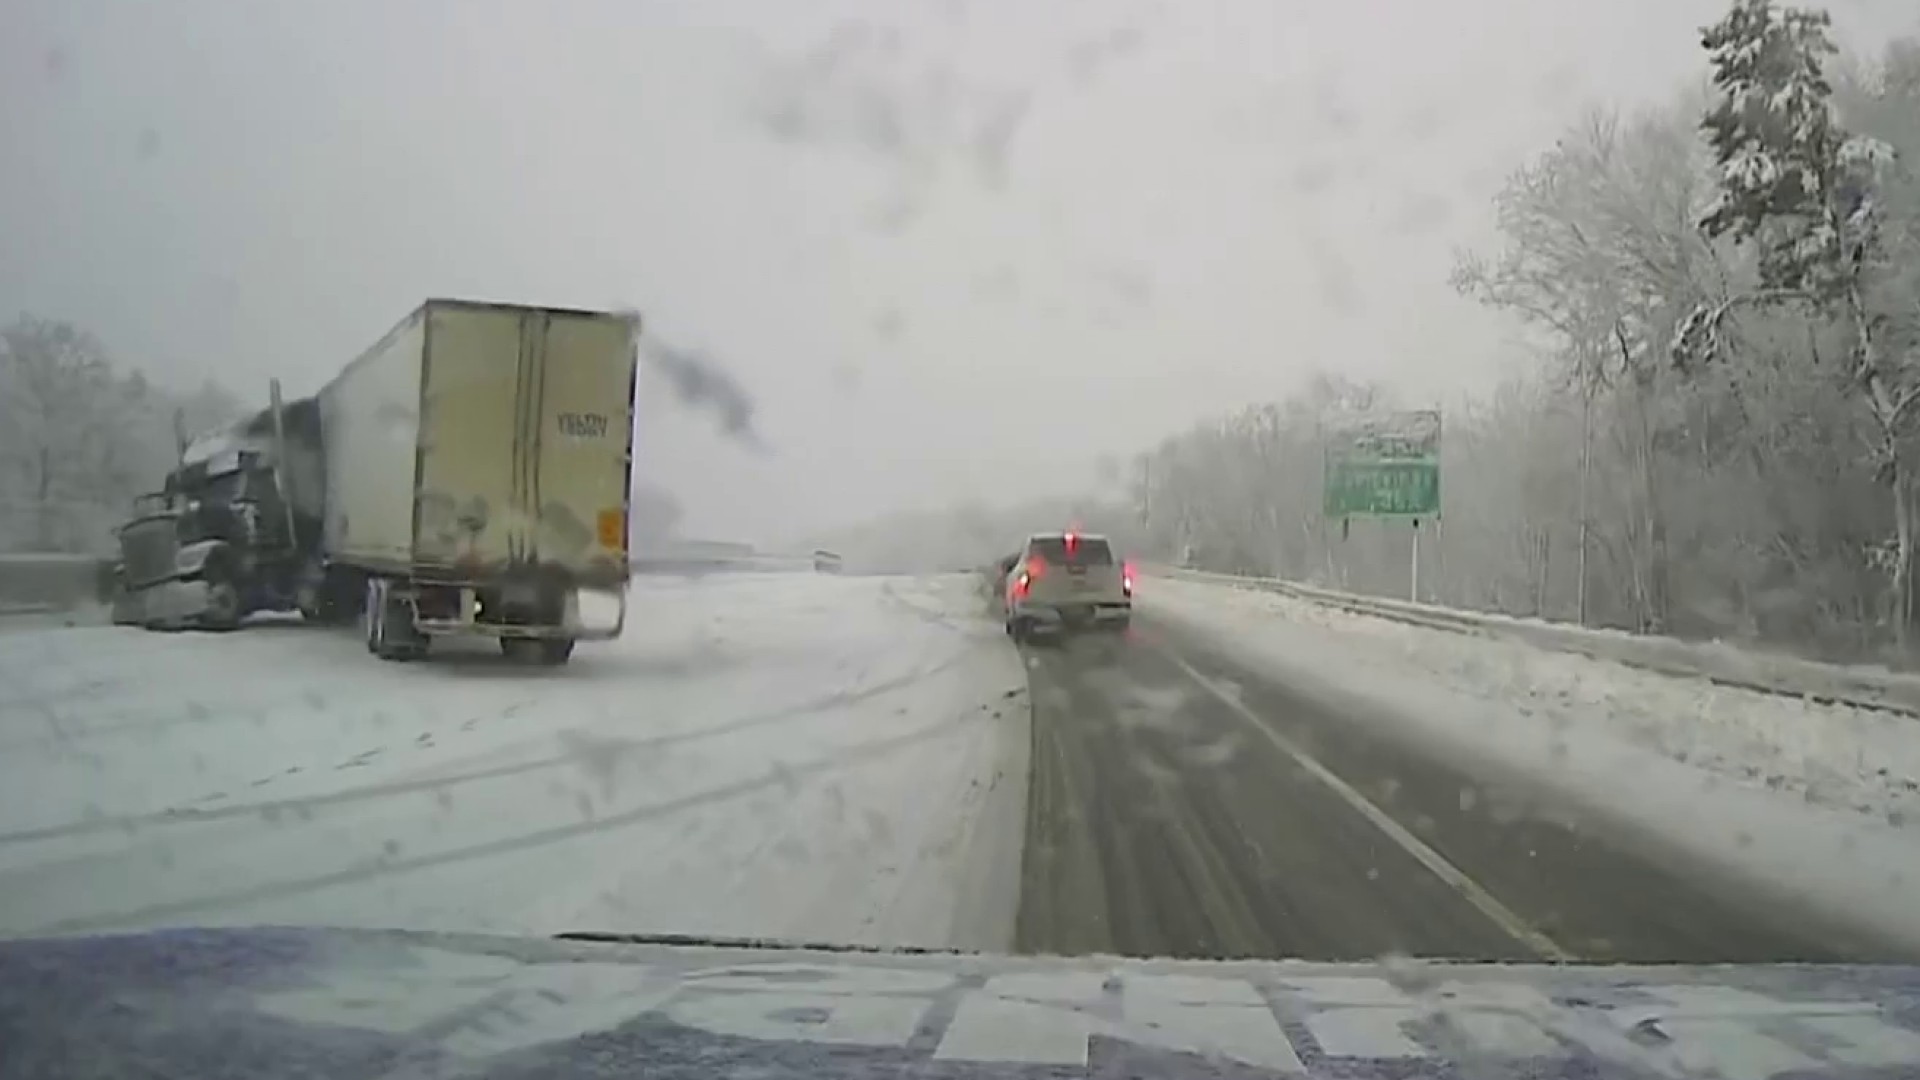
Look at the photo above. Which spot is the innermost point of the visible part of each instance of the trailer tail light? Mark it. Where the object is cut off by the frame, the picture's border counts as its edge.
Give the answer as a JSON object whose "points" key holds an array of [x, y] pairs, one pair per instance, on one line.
{"points": [[611, 527], [1126, 578]]}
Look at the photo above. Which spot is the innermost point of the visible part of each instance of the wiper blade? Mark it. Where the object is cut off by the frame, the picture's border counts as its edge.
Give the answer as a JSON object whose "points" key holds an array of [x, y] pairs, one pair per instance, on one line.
{"points": [[604, 937]]}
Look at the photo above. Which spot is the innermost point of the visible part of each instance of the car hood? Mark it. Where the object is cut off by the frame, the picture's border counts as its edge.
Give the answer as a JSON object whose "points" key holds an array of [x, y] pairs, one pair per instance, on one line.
{"points": [[211, 1004]]}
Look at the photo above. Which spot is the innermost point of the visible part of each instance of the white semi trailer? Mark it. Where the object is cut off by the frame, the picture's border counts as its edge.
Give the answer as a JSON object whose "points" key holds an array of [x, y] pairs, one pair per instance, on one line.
{"points": [[478, 478]]}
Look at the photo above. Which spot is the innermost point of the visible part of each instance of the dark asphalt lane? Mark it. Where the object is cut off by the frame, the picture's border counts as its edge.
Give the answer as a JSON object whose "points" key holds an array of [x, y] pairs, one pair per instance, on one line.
{"points": [[1169, 819]]}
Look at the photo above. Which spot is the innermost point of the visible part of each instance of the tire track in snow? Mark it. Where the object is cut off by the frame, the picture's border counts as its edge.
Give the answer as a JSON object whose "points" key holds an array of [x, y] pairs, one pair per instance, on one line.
{"points": [[944, 618], [781, 775], [191, 815]]}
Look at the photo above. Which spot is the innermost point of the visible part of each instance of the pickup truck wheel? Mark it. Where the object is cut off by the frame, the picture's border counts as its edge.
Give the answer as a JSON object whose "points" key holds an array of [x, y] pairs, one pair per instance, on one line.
{"points": [[556, 651]]}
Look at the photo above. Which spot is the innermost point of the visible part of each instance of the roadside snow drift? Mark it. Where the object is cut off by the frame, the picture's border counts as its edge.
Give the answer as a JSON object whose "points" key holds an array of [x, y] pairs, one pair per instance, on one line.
{"points": [[1821, 802], [779, 755]]}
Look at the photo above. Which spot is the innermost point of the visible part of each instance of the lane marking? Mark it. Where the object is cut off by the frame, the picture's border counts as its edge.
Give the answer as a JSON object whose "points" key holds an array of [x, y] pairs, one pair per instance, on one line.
{"points": [[1455, 878]]}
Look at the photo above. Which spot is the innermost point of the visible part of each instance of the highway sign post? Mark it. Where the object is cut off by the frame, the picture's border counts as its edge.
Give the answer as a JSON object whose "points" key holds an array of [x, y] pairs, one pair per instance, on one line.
{"points": [[1385, 466]]}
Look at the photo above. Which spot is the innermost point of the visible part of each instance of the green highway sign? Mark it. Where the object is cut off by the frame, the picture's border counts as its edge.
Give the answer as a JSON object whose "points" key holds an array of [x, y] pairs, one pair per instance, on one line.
{"points": [[1384, 466], [1383, 489]]}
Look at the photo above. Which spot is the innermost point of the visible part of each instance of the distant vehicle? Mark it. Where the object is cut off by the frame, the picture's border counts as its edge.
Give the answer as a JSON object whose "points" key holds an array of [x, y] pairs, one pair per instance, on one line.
{"points": [[469, 475], [1065, 582], [826, 562]]}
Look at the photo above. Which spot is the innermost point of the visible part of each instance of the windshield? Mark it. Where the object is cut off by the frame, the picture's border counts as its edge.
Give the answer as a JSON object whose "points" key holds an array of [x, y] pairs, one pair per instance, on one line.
{"points": [[1082, 552], [1486, 432], [220, 487]]}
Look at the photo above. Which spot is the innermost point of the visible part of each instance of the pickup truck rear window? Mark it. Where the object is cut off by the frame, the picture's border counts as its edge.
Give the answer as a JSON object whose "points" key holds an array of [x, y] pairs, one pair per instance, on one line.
{"points": [[1053, 549]]}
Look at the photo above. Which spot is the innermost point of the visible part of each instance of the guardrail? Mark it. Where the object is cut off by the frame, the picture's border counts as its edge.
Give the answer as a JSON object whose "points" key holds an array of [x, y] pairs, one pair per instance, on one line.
{"points": [[1724, 665], [700, 565], [37, 582]]}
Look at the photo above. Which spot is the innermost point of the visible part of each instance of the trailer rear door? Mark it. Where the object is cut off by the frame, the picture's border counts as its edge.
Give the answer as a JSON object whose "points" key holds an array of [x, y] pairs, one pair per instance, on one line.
{"points": [[466, 499], [582, 478]]}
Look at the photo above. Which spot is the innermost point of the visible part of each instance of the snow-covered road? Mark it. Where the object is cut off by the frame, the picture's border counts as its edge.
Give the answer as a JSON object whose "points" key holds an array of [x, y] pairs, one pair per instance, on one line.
{"points": [[1819, 804], [772, 754], [847, 760]]}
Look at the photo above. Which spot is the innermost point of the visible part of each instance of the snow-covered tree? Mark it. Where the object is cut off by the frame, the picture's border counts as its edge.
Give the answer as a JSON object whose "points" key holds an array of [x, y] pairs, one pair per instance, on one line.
{"points": [[1772, 517], [79, 439], [61, 434], [1804, 195], [1599, 255]]}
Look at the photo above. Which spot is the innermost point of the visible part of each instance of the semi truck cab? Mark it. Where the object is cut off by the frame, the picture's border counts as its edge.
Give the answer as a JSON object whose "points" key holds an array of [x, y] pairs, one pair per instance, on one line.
{"points": [[223, 537]]}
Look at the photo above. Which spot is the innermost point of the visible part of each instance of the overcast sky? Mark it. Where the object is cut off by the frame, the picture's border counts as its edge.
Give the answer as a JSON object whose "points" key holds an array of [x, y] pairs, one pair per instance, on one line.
{"points": [[953, 249]]}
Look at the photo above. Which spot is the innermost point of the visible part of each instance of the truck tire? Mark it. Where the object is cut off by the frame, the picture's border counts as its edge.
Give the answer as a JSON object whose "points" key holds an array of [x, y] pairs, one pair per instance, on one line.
{"points": [[389, 625], [370, 618]]}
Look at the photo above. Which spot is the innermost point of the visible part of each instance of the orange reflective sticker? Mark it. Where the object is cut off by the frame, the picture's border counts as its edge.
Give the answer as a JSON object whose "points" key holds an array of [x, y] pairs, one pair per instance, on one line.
{"points": [[613, 529]]}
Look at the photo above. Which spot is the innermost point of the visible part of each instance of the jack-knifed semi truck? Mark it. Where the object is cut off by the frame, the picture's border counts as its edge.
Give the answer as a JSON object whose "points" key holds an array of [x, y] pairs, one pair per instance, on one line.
{"points": [[470, 475]]}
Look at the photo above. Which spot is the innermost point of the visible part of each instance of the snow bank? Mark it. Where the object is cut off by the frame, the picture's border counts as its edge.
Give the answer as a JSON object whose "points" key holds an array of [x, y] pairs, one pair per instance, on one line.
{"points": [[1819, 800], [1866, 685], [788, 755]]}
